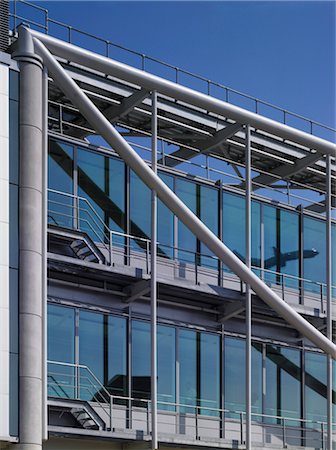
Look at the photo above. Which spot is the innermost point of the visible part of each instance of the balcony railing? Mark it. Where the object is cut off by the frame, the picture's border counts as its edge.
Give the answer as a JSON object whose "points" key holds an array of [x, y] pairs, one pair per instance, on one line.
{"points": [[77, 213], [77, 382]]}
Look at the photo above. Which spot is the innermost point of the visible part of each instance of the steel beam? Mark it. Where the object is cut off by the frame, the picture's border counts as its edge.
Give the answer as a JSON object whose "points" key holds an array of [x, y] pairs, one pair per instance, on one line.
{"points": [[151, 82], [137, 290], [203, 146], [321, 206], [170, 199], [283, 171], [232, 310], [114, 113]]}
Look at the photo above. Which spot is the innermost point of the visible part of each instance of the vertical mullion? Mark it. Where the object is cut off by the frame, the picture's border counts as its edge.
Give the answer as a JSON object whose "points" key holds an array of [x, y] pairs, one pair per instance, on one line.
{"points": [[154, 280], [248, 309], [329, 300]]}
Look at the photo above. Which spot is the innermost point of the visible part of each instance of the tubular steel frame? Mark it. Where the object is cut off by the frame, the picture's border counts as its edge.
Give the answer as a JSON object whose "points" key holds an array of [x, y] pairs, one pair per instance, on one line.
{"points": [[43, 43]]}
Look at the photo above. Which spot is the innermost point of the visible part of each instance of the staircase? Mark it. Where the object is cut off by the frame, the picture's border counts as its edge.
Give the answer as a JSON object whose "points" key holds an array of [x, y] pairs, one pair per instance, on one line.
{"points": [[74, 243]]}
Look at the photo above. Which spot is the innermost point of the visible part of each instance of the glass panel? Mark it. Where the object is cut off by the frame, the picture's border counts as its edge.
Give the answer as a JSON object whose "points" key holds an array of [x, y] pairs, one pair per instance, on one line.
{"points": [[60, 173], [314, 253], [256, 236], [289, 247], [91, 354], [188, 369], [116, 182], [61, 348], [186, 191], [209, 373], [333, 253], [140, 359], [283, 381], [140, 211], [117, 356], [209, 216], [166, 367], [234, 223], [256, 394], [165, 223], [270, 244], [234, 377], [92, 176], [315, 387], [234, 227]]}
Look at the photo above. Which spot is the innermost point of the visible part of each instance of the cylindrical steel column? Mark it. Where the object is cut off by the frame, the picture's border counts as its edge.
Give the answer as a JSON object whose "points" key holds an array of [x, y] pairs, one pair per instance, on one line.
{"points": [[329, 301], [153, 280], [44, 252], [248, 312], [30, 245]]}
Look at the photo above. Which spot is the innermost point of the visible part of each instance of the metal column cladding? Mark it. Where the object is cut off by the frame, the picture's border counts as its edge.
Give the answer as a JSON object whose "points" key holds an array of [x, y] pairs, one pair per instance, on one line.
{"points": [[31, 245], [4, 24], [196, 226]]}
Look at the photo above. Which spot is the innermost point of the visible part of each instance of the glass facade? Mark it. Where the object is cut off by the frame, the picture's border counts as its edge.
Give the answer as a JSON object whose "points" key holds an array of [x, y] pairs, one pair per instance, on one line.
{"points": [[314, 241], [209, 377], [234, 380], [190, 367], [60, 179], [113, 197], [283, 382], [61, 348]]}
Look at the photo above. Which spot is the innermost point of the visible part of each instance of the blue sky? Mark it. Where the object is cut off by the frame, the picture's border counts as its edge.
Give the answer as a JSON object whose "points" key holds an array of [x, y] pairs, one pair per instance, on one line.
{"points": [[281, 52]]}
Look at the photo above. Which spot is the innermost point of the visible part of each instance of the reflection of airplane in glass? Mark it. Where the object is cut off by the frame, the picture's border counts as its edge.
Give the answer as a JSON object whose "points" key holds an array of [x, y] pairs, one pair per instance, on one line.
{"points": [[280, 259]]}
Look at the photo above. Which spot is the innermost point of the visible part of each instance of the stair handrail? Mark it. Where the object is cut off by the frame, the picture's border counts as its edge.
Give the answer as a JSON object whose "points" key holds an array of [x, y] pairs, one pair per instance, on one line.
{"points": [[73, 196], [99, 383]]}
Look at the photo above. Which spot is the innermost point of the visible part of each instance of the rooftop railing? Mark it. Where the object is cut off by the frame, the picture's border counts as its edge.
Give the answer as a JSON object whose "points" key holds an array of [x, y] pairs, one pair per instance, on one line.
{"points": [[73, 35]]}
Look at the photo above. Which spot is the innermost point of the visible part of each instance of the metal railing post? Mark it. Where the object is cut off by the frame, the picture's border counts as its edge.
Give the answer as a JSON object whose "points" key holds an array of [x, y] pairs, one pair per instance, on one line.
{"points": [[321, 297], [111, 412], [111, 248], [196, 424], [283, 286], [283, 432], [77, 369], [196, 269], [147, 257], [241, 419], [77, 221], [147, 417]]}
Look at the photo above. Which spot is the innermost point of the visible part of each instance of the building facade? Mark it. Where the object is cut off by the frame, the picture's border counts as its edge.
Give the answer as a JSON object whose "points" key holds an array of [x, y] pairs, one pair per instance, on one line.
{"points": [[94, 295]]}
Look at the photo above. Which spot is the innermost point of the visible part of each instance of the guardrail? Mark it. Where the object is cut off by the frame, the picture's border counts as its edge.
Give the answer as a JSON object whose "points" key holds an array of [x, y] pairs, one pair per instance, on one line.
{"points": [[75, 212], [77, 382], [181, 76]]}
